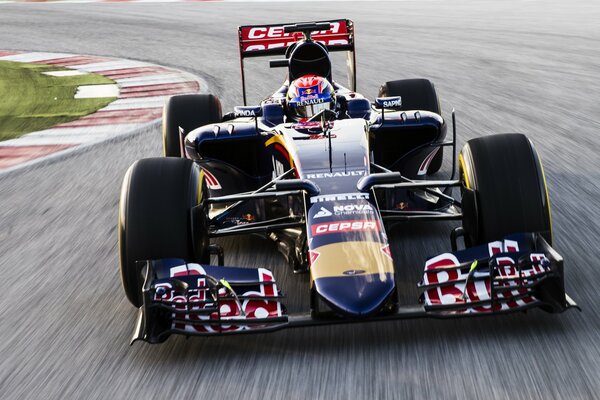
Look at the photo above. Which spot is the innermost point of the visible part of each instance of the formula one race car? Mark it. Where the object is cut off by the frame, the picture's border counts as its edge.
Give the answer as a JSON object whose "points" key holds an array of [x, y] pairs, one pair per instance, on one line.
{"points": [[320, 170]]}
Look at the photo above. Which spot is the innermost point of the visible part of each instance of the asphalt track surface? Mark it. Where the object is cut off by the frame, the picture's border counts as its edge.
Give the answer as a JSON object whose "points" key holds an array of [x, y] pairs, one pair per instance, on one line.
{"points": [[505, 66]]}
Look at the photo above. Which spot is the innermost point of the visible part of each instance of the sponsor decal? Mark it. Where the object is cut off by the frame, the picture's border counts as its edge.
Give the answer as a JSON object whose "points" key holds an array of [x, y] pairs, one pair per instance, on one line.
{"points": [[323, 175], [274, 32], [339, 197], [511, 246], [392, 103], [312, 256], [196, 300], [323, 212], [353, 272], [310, 100], [187, 269], [306, 125], [505, 246], [241, 220], [247, 111], [345, 226], [449, 283], [270, 32], [353, 209], [308, 97], [317, 136], [389, 102], [258, 38]]}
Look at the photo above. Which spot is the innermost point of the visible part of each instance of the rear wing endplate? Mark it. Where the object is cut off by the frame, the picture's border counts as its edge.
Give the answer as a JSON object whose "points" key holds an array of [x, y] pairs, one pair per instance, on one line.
{"points": [[271, 39]]}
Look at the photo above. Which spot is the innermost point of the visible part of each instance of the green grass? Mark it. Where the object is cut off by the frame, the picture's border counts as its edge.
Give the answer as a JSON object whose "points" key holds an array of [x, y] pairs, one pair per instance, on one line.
{"points": [[31, 101]]}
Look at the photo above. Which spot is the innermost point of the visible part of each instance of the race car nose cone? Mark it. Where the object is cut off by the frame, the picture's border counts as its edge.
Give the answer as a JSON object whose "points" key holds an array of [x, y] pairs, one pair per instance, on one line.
{"points": [[355, 278], [356, 295]]}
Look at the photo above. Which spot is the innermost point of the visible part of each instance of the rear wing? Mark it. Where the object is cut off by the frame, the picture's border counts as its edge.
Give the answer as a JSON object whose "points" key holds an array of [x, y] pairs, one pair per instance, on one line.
{"points": [[269, 40]]}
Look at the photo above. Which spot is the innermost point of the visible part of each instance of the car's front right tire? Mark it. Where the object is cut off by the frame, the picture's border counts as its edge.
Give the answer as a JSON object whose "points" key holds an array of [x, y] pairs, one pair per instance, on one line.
{"points": [[503, 189]]}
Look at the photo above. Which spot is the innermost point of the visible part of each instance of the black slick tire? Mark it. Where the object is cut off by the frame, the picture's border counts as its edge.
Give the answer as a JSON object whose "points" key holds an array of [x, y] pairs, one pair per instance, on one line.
{"points": [[504, 189], [188, 111], [417, 94], [155, 217]]}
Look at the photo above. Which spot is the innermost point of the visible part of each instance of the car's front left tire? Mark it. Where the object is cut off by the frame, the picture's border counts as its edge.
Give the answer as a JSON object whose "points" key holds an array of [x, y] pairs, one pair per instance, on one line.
{"points": [[155, 217]]}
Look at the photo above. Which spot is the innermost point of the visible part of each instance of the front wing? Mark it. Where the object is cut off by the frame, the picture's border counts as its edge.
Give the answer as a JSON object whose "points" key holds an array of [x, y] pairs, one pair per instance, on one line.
{"points": [[515, 274]]}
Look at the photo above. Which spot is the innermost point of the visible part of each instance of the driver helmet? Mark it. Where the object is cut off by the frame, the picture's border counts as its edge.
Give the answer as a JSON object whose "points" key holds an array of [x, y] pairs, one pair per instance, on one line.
{"points": [[308, 95]]}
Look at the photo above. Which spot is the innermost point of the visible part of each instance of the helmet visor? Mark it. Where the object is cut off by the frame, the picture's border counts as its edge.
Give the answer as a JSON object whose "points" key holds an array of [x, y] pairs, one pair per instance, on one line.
{"points": [[309, 111]]}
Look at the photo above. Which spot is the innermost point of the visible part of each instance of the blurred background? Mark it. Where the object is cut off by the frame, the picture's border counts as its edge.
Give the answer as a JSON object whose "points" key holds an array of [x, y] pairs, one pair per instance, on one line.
{"points": [[509, 66]]}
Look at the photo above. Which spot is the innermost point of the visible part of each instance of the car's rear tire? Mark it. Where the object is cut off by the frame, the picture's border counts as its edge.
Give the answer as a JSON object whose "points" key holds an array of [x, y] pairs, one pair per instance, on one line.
{"points": [[188, 111], [417, 94], [155, 218], [504, 189]]}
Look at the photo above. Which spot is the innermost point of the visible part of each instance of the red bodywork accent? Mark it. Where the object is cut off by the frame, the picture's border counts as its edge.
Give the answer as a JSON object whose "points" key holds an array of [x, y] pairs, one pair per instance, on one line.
{"points": [[387, 251], [345, 226], [312, 256], [211, 181]]}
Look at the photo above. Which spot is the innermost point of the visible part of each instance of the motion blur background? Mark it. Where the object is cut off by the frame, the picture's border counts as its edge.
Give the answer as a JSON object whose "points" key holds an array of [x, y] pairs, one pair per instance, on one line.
{"points": [[506, 66]]}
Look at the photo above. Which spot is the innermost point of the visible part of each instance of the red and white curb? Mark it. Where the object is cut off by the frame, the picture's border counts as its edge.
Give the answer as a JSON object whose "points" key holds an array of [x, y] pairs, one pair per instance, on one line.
{"points": [[143, 89]]}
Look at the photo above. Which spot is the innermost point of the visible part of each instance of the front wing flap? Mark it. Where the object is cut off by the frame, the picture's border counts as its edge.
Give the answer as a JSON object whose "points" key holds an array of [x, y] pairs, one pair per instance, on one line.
{"points": [[515, 274], [196, 299], [520, 272]]}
